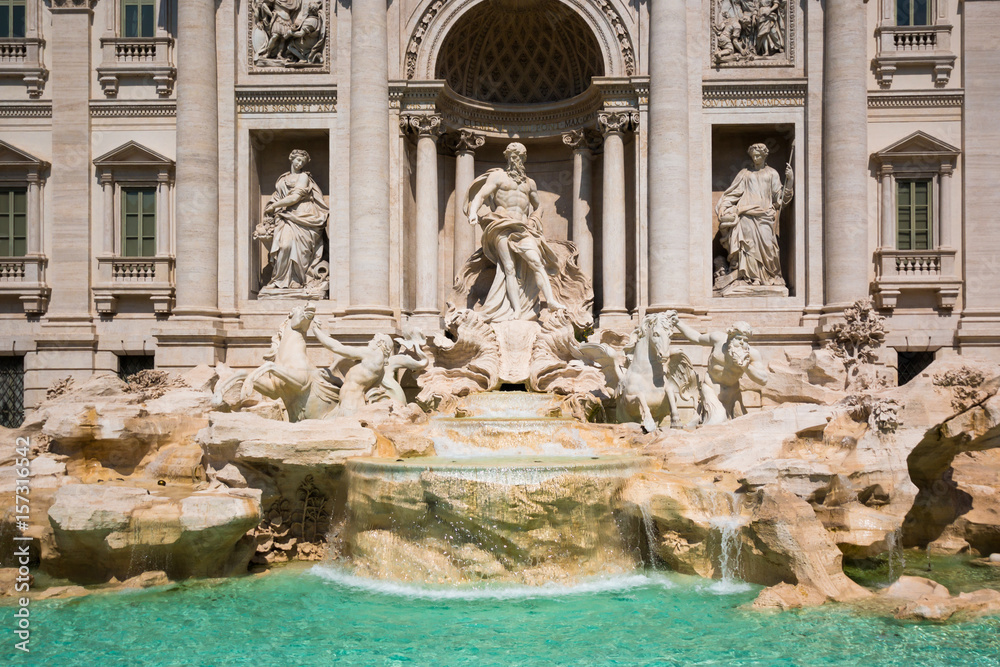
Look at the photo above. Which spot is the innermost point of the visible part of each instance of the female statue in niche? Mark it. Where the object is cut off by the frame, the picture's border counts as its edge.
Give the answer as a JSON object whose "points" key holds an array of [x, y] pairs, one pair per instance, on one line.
{"points": [[749, 213], [294, 222]]}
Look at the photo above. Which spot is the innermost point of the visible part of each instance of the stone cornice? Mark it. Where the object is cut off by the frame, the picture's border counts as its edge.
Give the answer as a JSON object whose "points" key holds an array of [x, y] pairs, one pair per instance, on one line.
{"points": [[752, 95], [887, 100], [298, 99], [26, 110], [132, 109]]}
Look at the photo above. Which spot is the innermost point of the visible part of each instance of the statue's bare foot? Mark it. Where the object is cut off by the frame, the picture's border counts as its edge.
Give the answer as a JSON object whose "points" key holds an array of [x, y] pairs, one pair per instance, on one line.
{"points": [[556, 305]]}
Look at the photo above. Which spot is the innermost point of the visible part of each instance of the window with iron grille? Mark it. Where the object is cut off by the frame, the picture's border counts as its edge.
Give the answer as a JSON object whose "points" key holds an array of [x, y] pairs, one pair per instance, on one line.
{"points": [[11, 391], [130, 364], [911, 364], [138, 222], [138, 18], [13, 222], [12, 18]]}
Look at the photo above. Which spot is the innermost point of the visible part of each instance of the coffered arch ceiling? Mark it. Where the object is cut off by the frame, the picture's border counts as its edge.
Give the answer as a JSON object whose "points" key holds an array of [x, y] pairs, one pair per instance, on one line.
{"points": [[520, 52]]}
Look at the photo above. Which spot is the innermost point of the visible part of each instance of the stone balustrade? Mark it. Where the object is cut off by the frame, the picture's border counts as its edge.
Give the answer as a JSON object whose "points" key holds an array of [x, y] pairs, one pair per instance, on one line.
{"points": [[137, 57], [134, 277], [914, 45], [902, 271]]}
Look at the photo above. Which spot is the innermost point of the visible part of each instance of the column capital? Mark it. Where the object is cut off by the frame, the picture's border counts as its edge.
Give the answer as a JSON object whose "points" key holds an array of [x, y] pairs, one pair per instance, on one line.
{"points": [[465, 141], [947, 169], [581, 140], [885, 170], [617, 121], [422, 125]]}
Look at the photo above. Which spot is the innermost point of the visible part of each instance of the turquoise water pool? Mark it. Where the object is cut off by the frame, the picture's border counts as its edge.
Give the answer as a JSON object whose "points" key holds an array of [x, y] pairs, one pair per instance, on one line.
{"points": [[319, 615]]}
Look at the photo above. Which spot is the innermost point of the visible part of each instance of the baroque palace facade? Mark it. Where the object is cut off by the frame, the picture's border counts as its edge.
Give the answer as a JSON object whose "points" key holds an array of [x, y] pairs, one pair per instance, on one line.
{"points": [[145, 152]]}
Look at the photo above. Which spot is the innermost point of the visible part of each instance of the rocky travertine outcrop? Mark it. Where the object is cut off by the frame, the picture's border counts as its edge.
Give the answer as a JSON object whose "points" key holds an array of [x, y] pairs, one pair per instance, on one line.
{"points": [[767, 536], [104, 530]]}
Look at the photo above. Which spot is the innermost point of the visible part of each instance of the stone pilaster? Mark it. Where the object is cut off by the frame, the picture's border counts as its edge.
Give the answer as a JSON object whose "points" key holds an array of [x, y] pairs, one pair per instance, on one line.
{"points": [[845, 153], [980, 323], [888, 210], [582, 227], [668, 179], [613, 126], [427, 129], [466, 235], [369, 161], [69, 247], [197, 172]]}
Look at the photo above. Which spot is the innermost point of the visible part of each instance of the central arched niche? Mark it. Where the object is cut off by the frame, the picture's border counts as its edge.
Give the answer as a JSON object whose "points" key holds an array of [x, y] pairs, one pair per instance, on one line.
{"points": [[520, 52]]}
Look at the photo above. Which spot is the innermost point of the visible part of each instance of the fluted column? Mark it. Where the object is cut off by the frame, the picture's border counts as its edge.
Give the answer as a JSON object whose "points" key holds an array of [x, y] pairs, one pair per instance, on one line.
{"points": [[582, 227], [613, 125], [845, 152], [427, 129], [197, 160], [668, 234], [369, 143], [888, 209], [466, 144]]}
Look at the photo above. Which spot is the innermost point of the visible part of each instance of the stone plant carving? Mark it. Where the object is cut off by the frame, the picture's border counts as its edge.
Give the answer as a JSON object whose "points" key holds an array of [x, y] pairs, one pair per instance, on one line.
{"points": [[649, 377], [750, 32], [288, 33], [296, 530], [749, 213], [731, 358], [966, 383], [856, 341], [295, 225], [364, 375], [518, 269]]}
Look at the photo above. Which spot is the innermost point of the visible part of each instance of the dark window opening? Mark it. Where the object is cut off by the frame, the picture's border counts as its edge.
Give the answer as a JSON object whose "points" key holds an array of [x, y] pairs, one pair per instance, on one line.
{"points": [[130, 364], [911, 364], [11, 391]]}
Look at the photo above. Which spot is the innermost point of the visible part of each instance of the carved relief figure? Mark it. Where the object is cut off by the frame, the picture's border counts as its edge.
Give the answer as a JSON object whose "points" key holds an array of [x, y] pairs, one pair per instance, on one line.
{"points": [[294, 223], [288, 33], [731, 358], [527, 269], [749, 212], [750, 31]]}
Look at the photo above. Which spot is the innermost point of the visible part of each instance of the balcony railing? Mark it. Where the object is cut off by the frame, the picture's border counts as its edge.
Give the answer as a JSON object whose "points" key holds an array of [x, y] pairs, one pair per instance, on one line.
{"points": [[23, 279], [912, 271], [900, 46], [150, 57], [134, 277], [21, 58]]}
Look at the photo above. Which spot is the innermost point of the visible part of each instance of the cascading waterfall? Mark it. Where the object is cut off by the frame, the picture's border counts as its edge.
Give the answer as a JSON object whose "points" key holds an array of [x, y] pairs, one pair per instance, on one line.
{"points": [[728, 522]]}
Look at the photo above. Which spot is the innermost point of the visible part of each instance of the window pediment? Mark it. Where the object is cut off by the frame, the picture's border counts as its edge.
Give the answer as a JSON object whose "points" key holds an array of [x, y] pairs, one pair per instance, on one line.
{"points": [[915, 146], [12, 158], [132, 155]]}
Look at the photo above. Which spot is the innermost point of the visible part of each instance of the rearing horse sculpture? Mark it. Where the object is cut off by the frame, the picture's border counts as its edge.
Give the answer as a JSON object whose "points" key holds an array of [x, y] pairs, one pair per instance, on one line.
{"points": [[306, 391], [648, 376]]}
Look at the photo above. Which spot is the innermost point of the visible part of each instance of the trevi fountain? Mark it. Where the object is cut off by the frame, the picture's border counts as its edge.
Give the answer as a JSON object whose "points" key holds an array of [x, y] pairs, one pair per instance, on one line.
{"points": [[552, 453]]}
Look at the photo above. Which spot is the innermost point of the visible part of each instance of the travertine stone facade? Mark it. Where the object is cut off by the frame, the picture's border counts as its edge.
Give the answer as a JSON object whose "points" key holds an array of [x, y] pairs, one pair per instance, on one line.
{"points": [[636, 118]]}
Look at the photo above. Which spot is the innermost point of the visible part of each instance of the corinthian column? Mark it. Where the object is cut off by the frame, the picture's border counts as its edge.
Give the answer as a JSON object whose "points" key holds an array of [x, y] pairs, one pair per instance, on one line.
{"points": [[465, 172], [845, 153], [369, 163], [197, 171], [427, 128], [613, 125], [582, 229], [669, 236]]}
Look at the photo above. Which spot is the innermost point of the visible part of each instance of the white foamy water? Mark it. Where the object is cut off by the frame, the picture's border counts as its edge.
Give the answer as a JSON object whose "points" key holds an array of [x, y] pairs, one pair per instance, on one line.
{"points": [[615, 583]]}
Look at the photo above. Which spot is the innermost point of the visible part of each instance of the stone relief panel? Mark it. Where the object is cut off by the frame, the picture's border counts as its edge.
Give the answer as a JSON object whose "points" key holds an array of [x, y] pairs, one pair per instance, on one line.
{"points": [[748, 33], [288, 35]]}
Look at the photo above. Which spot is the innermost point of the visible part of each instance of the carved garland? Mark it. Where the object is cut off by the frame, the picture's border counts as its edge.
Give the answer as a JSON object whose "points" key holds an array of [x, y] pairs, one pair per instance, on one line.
{"points": [[612, 15]]}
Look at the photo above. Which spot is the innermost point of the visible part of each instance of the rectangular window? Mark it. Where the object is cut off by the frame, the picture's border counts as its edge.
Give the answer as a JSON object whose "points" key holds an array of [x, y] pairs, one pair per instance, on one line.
{"points": [[130, 364], [138, 19], [138, 222], [12, 18], [913, 12], [11, 391], [13, 222], [913, 214]]}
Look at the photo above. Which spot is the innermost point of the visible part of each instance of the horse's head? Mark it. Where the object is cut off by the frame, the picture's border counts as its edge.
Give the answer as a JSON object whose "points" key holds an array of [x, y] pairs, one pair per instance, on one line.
{"points": [[301, 317], [657, 328]]}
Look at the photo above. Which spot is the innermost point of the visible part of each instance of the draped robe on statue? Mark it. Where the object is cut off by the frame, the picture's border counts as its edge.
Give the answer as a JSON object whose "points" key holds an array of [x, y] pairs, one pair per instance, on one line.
{"points": [[559, 258], [750, 236], [297, 246]]}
